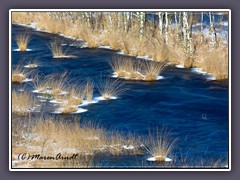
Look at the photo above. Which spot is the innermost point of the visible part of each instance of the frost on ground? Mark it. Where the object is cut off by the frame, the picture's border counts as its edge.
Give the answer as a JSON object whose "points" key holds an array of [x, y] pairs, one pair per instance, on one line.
{"points": [[208, 76], [143, 77], [21, 51]]}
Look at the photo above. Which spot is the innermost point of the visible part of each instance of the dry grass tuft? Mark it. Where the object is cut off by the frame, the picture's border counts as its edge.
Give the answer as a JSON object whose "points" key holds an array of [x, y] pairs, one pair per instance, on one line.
{"points": [[162, 146], [57, 50], [76, 95], [109, 88], [22, 103], [19, 74], [22, 40], [67, 108], [53, 84], [152, 70], [89, 90], [33, 63]]}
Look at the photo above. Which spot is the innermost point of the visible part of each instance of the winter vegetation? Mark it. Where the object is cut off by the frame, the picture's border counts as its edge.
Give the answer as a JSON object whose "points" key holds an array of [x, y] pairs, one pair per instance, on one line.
{"points": [[22, 40], [23, 103], [110, 88], [161, 147], [141, 70], [163, 36], [57, 50], [32, 63], [20, 75], [157, 39], [47, 137]]}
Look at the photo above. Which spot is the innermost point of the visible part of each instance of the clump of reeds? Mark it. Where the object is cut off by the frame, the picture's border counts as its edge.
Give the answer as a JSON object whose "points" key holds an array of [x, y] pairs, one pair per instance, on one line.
{"points": [[57, 50], [110, 88], [33, 63], [126, 68], [139, 70], [22, 103], [119, 66], [152, 70], [76, 95], [22, 40], [53, 84], [89, 88], [67, 108], [19, 74], [161, 145]]}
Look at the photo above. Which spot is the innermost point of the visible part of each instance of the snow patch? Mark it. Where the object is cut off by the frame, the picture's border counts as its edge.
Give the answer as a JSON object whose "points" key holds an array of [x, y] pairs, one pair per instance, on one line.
{"points": [[21, 90], [119, 52], [27, 80], [114, 75], [105, 47], [57, 102], [128, 147], [160, 77], [85, 102], [179, 66], [65, 56], [154, 159], [47, 91], [145, 58], [22, 51], [209, 76], [79, 110], [28, 66], [100, 98]]}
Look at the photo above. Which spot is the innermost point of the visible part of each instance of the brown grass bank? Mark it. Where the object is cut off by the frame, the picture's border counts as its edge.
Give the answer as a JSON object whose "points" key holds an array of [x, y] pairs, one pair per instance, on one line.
{"points": [[100, 30]]}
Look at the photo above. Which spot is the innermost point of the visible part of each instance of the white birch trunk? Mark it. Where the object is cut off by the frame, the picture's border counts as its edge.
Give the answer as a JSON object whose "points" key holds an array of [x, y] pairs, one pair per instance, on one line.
{"points": [[110, 19], [142, 20], [118, 20], [87, 14], [201, 27], [166, 27], [186, 34], [160, 23], [212, 29]]}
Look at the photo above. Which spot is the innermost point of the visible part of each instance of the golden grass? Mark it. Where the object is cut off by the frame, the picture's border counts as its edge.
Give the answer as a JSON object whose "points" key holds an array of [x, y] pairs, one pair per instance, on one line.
{"points": [[162, 146], [89, 90], [123, 67], [49, 137], [57, 50], [33, 63], [19, 74], [54, 83], [67, 108], [139, 70], [76, 95], [22, 40], [110, 87], [22, 103], [21, 17], [152, 44], [152, 70], [215, 60]]}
